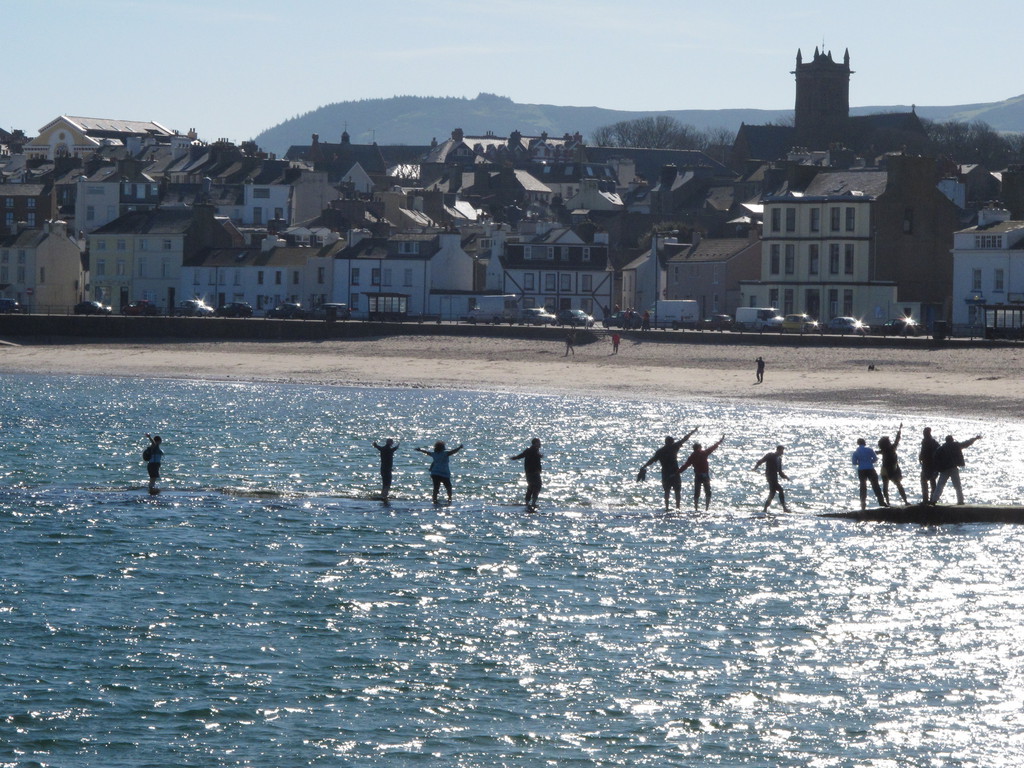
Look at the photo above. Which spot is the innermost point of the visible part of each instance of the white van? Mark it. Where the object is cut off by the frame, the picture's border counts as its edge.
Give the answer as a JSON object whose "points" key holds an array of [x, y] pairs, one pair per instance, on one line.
{"points": [[674, 314], [754, 318]]}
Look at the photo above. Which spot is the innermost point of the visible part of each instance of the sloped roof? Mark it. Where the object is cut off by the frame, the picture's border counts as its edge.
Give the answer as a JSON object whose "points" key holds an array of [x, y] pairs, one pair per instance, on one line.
{"points": [[767, 142], [109, 126], [847, 183], [714, 249]]}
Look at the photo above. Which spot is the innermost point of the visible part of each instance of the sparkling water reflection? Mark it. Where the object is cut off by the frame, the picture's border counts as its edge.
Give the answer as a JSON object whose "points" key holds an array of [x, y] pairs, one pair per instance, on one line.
{"points": [[265, 611]]}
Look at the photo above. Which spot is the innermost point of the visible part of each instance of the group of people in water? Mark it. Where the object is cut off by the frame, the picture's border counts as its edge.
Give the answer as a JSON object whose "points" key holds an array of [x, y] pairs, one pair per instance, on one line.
{"points": [[940, 463]]}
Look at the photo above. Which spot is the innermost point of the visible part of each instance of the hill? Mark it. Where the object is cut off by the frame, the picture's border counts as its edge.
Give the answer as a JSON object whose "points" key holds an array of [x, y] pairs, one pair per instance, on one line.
{"points": [[416, 119]]}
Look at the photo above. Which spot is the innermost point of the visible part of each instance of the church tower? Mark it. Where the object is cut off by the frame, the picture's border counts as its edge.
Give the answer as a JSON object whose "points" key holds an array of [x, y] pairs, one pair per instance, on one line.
{"points": [[822, 100]]}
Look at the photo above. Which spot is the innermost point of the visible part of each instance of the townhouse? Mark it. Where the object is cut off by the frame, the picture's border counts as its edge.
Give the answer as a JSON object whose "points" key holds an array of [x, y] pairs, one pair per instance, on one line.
{"points": [[42, 268], [710, 271], [988, 275]]}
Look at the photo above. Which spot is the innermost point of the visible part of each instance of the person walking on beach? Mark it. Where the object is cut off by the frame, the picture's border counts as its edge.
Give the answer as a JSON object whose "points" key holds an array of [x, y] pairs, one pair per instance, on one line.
{"points": [[153, 455], [772, 472], [615, 343], [570, 342], [387, 458], [760, 369], [948, 460], [668, 456], [929, 445], [645, 322], [440, 474], [698, 459], [864, 459], [531, 467], [891, 472]]}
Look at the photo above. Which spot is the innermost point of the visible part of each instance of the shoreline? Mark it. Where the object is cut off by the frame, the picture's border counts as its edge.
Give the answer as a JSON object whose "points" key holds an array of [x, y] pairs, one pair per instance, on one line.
{"points": [[975, 381]]}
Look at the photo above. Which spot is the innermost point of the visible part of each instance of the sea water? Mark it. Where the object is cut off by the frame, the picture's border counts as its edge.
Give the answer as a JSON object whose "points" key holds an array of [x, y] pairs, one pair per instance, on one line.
{"points": [[266, 610]]}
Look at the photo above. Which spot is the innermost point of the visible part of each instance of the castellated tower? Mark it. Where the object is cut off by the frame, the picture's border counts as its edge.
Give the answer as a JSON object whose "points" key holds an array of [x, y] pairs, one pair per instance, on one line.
{"points": [[822, 100]]}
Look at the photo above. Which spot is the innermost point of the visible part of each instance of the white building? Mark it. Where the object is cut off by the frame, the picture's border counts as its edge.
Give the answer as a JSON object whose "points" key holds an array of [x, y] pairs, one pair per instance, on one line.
{"points": [[42, 268], [988, 272]]}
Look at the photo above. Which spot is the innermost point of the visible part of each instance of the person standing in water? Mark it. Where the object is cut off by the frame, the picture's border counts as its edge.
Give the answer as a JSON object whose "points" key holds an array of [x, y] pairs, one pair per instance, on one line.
{"points": [[891, 472], [387, 460], [668, 456], [949, 458], [531, 467], [153, 456], [864, 459], [772, 472], [698, 459], [929, 445], [440, 474]]}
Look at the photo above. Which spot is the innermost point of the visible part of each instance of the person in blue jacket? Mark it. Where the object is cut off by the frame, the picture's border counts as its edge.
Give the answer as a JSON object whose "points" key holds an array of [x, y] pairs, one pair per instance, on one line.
{"points": [[864, 459], [440, 474]]}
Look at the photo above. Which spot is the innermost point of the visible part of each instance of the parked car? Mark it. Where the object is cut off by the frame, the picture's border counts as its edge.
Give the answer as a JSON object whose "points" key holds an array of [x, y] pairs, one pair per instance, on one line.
{"points": [[575, 317], [140, 307], [288, 310], [234, 309], [900, 326], [10, 307], [536, 316], [847, 325], [773, 324], [91, 308], [331, 310], [799, 323], [193, 308], [623, 319], [717, 323]]}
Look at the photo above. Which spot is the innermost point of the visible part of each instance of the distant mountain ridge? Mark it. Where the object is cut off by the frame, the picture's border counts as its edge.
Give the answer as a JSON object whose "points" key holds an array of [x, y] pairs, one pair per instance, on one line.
{"points": [[415, 120]]}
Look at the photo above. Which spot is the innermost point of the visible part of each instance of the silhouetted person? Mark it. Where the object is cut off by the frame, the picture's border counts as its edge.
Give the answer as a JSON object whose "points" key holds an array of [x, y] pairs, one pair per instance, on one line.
{"points": [[668, 456], [891, 472], [387, 457], [154, 457], [760, 369], [864, 459], [926, 456], [615, 343], [698, 459], [948, 460], [570, 343], [531, 467], [772, 472]]}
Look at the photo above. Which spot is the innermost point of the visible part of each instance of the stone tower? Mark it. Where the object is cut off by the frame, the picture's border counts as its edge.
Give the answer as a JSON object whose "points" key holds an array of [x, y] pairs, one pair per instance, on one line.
{"points": [[822, 100]]}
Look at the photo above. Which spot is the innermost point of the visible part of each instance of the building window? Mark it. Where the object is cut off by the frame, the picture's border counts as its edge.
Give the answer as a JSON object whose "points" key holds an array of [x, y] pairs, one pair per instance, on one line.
{"points": [[549, 282], [833, 258], [586, 282], [90, 213], [773, 266], [101, 245], [773, 297], [815, 219], [386, 278], [716, 274], [321, 274], [375, 276], [257, 216], [354, 280], [143, 244], [997, 283], [565, 283], [787, 301], [586, 254], [42, 275], [9, 202], [31, 202], [409, 247], [295, 277], [791, 219], [812, 259], [238, 277], [407, 278], [121, 268], [528, 283], [142, 268], [101, 268], [167, 245], [122, 245], [259, 277], [848, 301], [551, 253], [834, 219], [848, 259], [988, 241], [277, 277], [262, 193], [851, 214], [776, 219], [790, 259], [975, 279]]}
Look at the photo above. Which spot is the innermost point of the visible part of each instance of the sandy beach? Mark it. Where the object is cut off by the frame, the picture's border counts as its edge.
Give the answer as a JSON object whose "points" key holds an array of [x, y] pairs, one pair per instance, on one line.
{"points": [[982, 381]]}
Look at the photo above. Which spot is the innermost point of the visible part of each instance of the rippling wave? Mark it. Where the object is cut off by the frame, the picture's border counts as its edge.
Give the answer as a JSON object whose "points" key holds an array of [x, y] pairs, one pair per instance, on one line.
{"points": [[266, 610]]}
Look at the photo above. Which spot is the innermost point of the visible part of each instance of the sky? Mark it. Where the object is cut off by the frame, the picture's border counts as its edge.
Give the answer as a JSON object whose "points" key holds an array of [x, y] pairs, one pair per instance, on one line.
{"points": [[233, 68]]}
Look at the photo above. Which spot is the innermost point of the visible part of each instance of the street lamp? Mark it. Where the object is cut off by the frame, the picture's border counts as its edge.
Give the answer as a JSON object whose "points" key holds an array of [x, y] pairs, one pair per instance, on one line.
{"points": [[654, 266]]}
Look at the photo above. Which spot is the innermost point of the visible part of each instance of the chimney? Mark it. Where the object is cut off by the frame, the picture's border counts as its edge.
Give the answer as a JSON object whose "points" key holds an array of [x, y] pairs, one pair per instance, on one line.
{"points": [[989, 216]]}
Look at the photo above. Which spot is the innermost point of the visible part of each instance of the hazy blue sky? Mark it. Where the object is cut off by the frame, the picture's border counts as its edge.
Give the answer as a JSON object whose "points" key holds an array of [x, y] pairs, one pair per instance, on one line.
{"points": [[231, 68]]}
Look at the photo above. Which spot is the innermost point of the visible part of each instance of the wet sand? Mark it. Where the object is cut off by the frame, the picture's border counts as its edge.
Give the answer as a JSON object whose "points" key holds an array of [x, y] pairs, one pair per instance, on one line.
{"points": [[983, 381]]}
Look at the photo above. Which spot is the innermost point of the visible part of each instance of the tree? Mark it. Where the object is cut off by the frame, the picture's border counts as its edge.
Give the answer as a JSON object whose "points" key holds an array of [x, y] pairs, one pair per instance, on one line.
{"points": [[974, 142], [661, 132]]}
